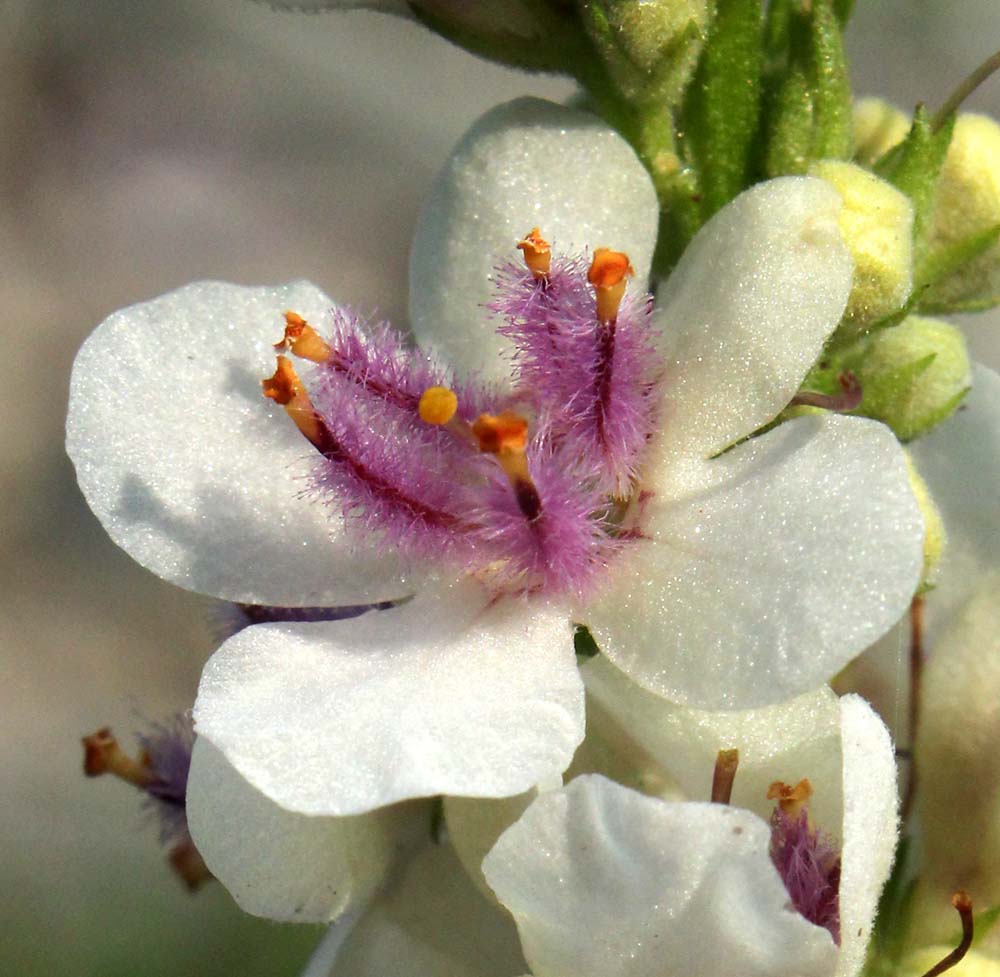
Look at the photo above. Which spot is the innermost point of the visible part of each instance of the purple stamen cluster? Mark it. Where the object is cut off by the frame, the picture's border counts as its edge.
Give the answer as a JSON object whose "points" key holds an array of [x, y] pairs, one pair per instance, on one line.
{"points": [[809, 865], [587, 390], [230, 619], [166, 749], [599, 381]]}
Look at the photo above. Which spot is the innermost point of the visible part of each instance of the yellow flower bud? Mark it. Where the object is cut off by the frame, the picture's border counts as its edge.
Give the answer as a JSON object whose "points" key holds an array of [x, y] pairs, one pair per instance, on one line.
{"points": [[972, 965], [912, 375], [878, 126], [877, 224], [934, 535], [968, 203]]}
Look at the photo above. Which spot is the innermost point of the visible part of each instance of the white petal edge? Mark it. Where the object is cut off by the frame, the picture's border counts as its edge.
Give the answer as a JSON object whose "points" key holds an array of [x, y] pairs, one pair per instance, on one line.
{"points": [[443, 695], [603, 881], [284, 866], [780, 561], [745, 314], [191, 471], [525, 163], [789, 741], [870, 827], [429, 922]]}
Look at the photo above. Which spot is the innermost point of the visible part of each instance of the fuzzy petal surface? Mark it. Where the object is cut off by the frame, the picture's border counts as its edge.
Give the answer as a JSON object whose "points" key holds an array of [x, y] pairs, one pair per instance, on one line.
{"points": [[745, 314], [429, 922], [524, 164], [606, 882], [789, 741], [779, 562], [191, 471], [443, 695], [285, 866], [870, 827]]}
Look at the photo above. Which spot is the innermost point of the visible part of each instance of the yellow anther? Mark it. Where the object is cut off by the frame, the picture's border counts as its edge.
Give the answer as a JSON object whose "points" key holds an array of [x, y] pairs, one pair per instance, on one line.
{"points": [[437, 405], [537, 253], [303, 340], [285, 388], [608, 273], [791, 800]]}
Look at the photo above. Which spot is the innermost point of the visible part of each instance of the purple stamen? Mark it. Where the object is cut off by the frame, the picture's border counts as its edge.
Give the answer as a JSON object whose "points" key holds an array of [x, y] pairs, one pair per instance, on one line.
{"points": [[809, 865], [166, 749]]}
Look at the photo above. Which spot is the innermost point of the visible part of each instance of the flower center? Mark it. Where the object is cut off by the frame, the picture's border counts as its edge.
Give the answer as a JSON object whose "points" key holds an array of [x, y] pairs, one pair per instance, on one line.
{"points": [[529, 494]]}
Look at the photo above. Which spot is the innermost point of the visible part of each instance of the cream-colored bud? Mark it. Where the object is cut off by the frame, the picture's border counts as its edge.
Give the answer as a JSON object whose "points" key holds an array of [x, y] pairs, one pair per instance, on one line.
{"points": [[973, 964], [877, 224], [958, 764], [913, 375], [968, 203], [878, 126], [934, 535]]}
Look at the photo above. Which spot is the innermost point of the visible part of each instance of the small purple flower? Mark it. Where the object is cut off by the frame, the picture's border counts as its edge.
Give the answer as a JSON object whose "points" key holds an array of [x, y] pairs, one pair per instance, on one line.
{"points": [[806, 859]]}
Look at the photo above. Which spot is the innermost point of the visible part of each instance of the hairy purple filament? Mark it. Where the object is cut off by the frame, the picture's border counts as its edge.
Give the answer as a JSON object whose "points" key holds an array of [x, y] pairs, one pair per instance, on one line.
{"points": [[809, 865], [167, 750], [233, 618], [587, 390]]}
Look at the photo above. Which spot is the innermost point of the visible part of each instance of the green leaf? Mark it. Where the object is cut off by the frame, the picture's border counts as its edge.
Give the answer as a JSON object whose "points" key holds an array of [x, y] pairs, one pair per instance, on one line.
{"points": [[843, 10], [914, 167], [584, 643], [982, 923], [790, 128], [777, 30], [946, 261], [832, 101], [721, 114]]}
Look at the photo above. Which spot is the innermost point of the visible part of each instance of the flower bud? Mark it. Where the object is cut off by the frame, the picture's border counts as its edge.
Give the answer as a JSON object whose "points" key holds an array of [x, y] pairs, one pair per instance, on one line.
{"points": [[877, 224], [913, 375], [878, 126], [650, 47], [967, 204], [934, 534]]}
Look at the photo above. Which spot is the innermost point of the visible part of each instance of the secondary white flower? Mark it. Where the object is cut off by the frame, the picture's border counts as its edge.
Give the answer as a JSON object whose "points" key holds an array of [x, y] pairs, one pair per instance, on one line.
{"points": [[606, 882], [752, 576]]}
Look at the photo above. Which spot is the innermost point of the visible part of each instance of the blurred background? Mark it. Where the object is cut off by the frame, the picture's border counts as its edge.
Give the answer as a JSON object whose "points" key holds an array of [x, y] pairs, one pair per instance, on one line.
{"points": [[146, 144]]}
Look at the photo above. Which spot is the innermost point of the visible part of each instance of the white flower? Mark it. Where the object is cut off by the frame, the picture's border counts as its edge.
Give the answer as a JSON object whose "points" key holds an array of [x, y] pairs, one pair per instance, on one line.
{"points": [[759, 573], [605, 881]]}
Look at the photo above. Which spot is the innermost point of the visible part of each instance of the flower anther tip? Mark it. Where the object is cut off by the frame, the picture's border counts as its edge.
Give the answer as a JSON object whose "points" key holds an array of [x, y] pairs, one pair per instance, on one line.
{"points": [[103, 754], [537, 253], [437, 405], [501, 434], [302, 340], [790, 799], [609, 271], [723, 776], [285, 388], [188, 865]]}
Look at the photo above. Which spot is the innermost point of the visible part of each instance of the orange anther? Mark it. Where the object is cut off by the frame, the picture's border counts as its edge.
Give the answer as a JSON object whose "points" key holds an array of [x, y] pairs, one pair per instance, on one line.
{"points": [[285, 388], [303, 340], [537, 253], [505, 433], [791, 800], [608, 273], [437, 405], [102, 754]]}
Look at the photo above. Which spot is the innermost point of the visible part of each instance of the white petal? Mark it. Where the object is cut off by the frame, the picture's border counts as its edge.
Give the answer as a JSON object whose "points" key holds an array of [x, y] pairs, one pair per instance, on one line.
{"points": [[789, 741], [746, 313], [289, 867], [430, 922], [870, 827], [190, 470], [798, 550], [439, 696], [960, 461], [523, 164], [606, 882]]}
